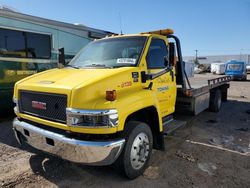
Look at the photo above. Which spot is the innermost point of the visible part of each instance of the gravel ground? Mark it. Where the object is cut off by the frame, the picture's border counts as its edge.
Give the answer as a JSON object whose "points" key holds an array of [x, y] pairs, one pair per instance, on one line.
{"points": [[213, 150]]}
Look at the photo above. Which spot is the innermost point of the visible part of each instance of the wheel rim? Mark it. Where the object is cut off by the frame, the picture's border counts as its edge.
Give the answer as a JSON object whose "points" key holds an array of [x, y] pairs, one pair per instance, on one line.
{"points": [[139, 151]]}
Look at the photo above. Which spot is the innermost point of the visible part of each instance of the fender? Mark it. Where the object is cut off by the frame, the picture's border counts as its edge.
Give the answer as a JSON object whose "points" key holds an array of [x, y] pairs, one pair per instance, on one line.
{"points": [[128, 103]]}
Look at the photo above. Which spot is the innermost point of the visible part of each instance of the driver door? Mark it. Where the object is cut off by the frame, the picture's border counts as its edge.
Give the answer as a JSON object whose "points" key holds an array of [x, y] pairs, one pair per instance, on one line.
{"points": [[164, 86]]}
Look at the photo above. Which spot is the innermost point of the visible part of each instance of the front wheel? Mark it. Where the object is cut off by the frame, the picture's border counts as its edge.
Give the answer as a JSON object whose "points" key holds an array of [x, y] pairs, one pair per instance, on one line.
{"points": [[137, 150]]}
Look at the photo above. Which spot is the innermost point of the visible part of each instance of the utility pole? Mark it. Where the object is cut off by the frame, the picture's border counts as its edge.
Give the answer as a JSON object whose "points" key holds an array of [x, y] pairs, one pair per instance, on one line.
{"points": [[196, 56]]}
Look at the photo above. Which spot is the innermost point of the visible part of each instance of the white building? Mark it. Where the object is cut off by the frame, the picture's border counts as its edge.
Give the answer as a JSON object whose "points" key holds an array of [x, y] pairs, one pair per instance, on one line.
{"points": [[218, 58]]}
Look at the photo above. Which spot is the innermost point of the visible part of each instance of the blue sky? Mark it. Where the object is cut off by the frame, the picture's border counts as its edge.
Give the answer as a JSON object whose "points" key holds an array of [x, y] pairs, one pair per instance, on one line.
{"points": [[211, 26]]}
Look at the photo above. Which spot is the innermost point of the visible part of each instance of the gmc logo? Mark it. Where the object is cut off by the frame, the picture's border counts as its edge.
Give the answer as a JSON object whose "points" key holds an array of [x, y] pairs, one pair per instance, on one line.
{"points": [[39, 105]]}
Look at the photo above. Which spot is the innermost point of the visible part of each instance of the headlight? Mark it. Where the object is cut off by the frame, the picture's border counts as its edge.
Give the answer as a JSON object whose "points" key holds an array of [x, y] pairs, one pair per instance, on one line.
{"points": [[16, 108], [92, 118]]}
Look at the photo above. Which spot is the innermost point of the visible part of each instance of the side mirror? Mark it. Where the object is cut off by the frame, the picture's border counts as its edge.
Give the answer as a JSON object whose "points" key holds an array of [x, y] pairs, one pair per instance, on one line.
{"points": [[61, 56], [172, 53]]}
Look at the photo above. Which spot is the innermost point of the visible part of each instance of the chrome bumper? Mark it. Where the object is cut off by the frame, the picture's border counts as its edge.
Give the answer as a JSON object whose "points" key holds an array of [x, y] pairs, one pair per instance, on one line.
{"points": [[86, 152]]}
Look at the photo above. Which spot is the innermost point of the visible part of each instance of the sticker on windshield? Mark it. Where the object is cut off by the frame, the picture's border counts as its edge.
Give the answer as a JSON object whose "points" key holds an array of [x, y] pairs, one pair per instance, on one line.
{"points": [[131, 61]]}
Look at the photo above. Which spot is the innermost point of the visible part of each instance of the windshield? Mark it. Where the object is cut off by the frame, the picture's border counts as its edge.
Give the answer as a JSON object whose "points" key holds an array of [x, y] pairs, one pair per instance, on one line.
{"points": [[110, 53], [234, 67]]}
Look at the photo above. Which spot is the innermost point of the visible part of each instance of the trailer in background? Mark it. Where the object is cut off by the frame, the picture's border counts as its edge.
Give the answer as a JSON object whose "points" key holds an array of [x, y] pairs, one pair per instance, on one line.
{"points": [[30, 44]]}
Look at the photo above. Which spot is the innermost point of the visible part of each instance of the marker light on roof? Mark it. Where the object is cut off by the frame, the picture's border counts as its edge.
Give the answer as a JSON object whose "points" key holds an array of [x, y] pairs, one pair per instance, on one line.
{"points": [[161, 32]]}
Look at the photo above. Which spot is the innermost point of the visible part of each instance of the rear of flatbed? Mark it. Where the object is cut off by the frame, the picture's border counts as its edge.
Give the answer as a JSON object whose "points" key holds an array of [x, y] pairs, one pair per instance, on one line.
{"points": [[198, 97], [204, 93]]}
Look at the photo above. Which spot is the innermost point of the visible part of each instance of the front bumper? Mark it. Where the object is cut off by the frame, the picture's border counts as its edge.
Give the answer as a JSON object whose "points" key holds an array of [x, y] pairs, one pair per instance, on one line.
{"points": [[237, 77], [85, 152]]}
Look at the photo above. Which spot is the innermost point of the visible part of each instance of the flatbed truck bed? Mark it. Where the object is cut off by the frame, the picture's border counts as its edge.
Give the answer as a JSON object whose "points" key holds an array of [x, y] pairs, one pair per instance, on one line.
{"points": [[199, 96], [200, 93], [201, 80]]}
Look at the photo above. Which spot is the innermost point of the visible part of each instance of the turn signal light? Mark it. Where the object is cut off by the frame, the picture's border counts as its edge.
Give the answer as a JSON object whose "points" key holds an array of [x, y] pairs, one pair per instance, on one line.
{"points": [[111, 95]]}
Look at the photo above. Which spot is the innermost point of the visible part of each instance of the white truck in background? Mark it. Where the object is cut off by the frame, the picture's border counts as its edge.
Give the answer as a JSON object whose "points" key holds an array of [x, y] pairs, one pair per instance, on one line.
{"points": [[218, 68]]}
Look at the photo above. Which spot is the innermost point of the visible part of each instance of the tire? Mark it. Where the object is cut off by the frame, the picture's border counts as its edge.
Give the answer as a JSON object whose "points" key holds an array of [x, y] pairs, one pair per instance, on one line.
{"points": [[215, 101], [137, 150]]}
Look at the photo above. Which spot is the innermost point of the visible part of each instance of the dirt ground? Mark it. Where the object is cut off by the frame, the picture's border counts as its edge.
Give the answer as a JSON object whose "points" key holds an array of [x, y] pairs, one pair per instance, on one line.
{"points": [[213, 150]]}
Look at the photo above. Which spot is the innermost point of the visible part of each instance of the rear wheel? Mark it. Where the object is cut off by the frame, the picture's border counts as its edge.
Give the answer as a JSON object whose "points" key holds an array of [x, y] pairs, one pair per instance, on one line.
{"points": [[215, 101], [137, 150]]}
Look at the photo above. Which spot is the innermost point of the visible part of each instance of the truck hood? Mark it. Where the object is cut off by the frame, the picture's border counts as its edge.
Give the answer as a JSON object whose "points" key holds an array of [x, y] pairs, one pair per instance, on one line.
{"points": [[85, 88], [68, 78]]}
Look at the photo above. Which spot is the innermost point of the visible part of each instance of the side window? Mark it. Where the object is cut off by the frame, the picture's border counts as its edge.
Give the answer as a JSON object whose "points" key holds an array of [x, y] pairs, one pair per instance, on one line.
{"points": [[22, 44], [38, 46], [12, 43], [156, 53]]}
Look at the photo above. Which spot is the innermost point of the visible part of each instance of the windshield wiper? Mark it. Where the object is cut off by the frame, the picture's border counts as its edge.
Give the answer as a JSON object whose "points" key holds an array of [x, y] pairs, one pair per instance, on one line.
{"points": [[97, 65], [123, 65]]}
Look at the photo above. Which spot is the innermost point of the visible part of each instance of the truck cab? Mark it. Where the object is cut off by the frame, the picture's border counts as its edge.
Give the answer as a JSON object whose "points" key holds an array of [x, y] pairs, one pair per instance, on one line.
{"points": [[236, 69]]}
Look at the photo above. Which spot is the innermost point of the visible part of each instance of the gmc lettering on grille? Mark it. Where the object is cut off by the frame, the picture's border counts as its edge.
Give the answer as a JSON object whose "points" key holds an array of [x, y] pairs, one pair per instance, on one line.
{"points": [[39, 105]]}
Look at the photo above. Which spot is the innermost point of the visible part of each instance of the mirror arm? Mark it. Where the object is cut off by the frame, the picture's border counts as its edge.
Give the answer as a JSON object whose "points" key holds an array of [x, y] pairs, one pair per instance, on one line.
{"points": [[61, 57]]}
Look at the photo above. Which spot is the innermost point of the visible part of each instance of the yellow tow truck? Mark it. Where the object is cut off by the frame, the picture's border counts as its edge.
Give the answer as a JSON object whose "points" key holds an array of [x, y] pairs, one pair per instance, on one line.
{"points": [[113, 103]]}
